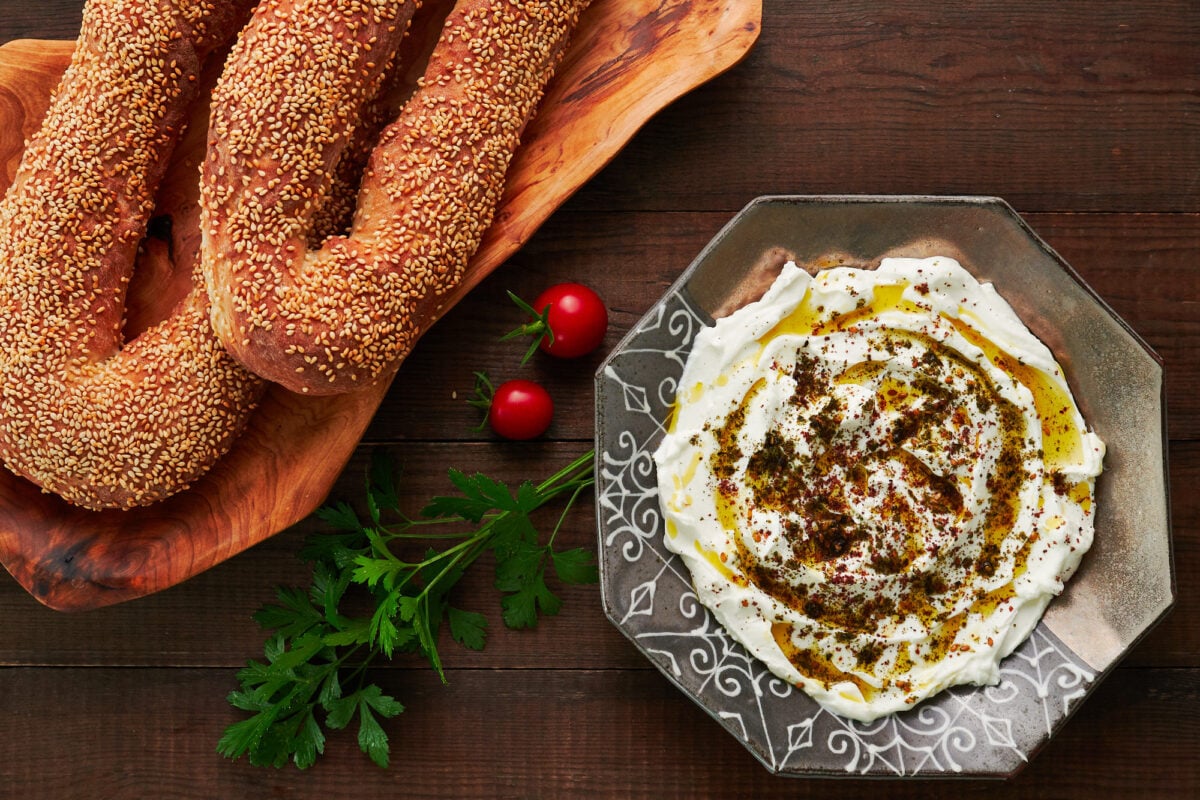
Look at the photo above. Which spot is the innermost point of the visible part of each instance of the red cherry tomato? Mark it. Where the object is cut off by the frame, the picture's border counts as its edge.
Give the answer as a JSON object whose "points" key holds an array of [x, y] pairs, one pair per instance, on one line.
{"points": [[520, 410], [576, 317]]}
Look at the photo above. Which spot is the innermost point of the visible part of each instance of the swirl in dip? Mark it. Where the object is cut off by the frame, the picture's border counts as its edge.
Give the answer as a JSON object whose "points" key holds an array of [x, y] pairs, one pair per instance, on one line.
{"points": [[878, 479]]}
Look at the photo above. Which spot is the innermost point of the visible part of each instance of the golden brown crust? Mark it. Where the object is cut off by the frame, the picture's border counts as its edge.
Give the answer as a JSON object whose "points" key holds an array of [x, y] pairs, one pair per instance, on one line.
{"points": [[102, 422], [333, 320]]}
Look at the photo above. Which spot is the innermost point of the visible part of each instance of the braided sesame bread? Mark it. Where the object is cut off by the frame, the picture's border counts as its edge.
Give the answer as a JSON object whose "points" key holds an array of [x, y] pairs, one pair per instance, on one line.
{"points": [[100, 421], [334, 319]]}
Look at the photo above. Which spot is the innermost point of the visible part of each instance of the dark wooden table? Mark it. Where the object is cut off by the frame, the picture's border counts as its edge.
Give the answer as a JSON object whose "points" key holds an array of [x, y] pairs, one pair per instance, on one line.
{"points": [[1085, 116]]}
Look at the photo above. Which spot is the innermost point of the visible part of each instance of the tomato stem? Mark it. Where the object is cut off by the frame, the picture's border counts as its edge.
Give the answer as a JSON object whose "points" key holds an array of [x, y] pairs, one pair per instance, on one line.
{"points": [[539, 328]]}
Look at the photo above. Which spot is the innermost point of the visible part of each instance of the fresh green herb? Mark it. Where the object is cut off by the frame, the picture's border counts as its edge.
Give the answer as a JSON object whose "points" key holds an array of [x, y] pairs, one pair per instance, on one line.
{"points": [[315, 663], [481, 398], [538, 327]]}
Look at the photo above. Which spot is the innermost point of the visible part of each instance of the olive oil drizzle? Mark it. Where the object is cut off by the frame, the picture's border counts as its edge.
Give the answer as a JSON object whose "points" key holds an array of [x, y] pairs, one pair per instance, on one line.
{"points": [[800, 486]]}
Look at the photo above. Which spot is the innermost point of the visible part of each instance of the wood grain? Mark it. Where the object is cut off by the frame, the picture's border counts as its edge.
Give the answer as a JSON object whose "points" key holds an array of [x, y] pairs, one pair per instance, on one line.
{"points": [[629, 58], [127, 701], [207, 621], [529, 732], [1069, 106], [1143, 265]]}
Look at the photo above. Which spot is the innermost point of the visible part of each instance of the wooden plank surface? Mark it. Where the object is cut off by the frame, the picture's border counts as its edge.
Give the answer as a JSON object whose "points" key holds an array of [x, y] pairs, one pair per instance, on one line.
{"points": [[624, 63], [1084, 115], [488, 735]]}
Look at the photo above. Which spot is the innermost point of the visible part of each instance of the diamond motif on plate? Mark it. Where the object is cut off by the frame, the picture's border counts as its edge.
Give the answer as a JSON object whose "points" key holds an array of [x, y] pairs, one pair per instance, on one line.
{"points": [[651, 594], [641, 600]]}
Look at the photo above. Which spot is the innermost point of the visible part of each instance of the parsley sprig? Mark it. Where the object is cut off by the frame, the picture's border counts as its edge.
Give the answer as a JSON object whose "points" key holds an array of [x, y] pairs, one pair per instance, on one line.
{"points": [[381, 586]]}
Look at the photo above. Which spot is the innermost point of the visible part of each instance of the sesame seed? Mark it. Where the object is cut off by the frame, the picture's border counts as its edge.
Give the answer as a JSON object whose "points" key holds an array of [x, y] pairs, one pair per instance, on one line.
{"points": [[357, 302], [102, 422]]}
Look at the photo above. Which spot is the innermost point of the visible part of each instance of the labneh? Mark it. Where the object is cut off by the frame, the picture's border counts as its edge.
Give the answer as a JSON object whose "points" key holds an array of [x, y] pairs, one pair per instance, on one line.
{"points": [[878, 479]]}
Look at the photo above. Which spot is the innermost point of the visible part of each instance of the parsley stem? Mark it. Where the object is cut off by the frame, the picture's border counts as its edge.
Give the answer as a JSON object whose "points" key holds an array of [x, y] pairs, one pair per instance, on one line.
{"points": [[581, 465], [576, 476], [403, 535], [480, 541], [360, 667], [318, 647], [414, 569], [562, 516], [400, 530]]}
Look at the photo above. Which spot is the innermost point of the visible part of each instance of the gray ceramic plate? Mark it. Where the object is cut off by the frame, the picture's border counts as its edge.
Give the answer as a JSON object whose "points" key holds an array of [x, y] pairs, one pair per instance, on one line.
{"points": [[1126, 583]]}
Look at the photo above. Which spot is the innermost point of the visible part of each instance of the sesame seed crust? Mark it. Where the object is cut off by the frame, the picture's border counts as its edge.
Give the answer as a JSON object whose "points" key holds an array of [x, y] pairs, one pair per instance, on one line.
{"points": [[335, 319], [103, 422]]}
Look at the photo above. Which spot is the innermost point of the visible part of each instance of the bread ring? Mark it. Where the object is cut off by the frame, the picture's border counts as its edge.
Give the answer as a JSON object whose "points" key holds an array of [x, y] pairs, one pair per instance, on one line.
{"points": [[101, 422], [333, 320]]}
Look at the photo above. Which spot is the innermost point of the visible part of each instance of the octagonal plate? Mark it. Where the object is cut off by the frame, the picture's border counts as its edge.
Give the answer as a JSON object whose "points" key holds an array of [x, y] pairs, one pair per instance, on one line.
{"points": [[1126, 582]]}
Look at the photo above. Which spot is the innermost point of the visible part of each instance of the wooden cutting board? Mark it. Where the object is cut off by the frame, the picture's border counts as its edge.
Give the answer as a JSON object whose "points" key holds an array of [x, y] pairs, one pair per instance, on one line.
{"points": [[628, 59]]}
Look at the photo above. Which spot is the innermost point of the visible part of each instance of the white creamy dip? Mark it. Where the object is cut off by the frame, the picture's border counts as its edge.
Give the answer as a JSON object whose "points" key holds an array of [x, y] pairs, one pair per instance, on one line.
{"points": [[878, 479]]}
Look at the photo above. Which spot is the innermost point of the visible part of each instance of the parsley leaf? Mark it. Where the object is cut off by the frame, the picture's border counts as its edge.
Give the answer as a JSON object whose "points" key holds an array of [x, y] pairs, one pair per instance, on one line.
{"points": [[521, 608], [467, 628], [479, 495], [380, 586], [365, 703], [340, 516], [575, 566]]}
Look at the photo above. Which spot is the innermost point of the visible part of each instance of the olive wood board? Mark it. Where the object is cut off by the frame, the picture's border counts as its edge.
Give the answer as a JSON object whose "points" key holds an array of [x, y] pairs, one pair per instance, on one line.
{"points": [[627, 60]]}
